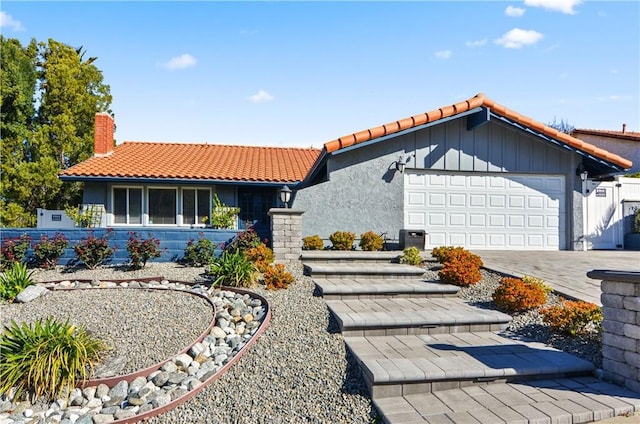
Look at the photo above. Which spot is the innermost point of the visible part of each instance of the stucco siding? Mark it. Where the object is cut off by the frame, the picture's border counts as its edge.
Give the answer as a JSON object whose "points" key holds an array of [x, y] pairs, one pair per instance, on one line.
{"points": [[628, 149]]}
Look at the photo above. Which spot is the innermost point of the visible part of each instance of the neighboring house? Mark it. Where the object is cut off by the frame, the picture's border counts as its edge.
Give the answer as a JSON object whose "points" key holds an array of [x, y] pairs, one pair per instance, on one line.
{"points": [[154, 185], [624, 143], [473, 174], [476, 174]]}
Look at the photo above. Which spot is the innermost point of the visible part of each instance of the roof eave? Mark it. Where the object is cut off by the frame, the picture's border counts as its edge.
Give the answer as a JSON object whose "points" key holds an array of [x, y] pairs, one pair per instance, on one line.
{"points": [[152, 180]]}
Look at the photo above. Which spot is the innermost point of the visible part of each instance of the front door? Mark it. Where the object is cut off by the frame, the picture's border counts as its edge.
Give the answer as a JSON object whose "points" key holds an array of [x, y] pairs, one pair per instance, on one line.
{"points": [[254, 207]]}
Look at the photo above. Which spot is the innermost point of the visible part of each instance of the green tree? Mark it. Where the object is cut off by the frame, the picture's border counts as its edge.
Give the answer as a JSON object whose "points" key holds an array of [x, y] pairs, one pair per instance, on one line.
{"points": [[47, 124]]}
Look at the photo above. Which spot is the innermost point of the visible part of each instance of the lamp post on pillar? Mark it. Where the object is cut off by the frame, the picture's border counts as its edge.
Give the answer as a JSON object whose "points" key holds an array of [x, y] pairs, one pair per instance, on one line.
{"points": [[285, 195]]}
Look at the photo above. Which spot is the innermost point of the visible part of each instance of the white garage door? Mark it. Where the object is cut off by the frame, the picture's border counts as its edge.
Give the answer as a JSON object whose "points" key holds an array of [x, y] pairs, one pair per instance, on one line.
{"points": [[483, 211]]}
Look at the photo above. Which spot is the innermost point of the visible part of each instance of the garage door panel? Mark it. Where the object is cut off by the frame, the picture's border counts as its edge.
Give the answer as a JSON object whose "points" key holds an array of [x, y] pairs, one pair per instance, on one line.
{"points": [[483, 211]]}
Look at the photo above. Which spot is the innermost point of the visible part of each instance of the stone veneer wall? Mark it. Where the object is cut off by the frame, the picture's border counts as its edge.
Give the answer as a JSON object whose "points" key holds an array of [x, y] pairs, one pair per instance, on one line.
{"points": [[286, 236], [621, 326]]}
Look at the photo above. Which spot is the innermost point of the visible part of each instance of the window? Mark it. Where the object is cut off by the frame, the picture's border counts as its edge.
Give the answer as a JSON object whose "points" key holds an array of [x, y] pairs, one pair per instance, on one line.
{"points": [[195, 206], [127, 206], [162, 206]]}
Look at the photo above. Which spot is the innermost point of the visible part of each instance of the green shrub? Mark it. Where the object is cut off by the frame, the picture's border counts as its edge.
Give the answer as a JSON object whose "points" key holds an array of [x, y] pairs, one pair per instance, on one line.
{"points": [[276, 277], [411, 256], [233, 269], [342, 240], [371, 241], [45, 360], [93, 251], [636, 221], [574, 318], [14, 280], [243, 241], [222, 216], [312, 243], [141, 250], [14, 250], [199, 253], [47, 250], [516, 295]]}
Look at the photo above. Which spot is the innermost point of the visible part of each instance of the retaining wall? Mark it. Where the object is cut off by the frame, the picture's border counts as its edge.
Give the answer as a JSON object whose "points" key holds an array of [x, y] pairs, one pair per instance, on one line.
{"points": [[172, 240]]}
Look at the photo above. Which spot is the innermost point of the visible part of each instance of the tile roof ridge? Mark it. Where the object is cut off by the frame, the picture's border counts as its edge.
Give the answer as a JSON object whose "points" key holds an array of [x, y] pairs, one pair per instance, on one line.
{"points": [[178, 143]]}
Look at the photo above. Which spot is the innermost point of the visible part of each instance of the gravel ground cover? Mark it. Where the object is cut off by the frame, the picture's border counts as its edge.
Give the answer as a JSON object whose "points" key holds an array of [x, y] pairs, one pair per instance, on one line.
{"points": [[299, 371]]}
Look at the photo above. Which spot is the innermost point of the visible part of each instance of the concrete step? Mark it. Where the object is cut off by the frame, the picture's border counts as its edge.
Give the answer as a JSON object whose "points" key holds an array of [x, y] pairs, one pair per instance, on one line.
{"points": [[402, 316], [569, 400], [360, 270], [403, 365], [367, 288], [348, 256]]}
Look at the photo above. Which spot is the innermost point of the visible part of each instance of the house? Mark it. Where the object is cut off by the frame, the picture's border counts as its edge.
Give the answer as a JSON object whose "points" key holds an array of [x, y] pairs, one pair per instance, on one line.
{"points": [[473, 174], [156, 185], [624, 143]]}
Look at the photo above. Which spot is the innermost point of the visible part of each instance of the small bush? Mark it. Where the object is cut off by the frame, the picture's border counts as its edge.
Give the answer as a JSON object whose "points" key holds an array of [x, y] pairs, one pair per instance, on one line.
{"points": [[243, 241], [276, 277], [14, 250], [199, 253], [537, 282], [312, 243], [411, 256], [46, 360], [47, 250], [261, 256], [141, 250], [515, 295], [14, 280], [442, 253], [93, 251], [575, 318], [342, 240], [371, 241], [222, 216], [461, 268], [234, 270]]}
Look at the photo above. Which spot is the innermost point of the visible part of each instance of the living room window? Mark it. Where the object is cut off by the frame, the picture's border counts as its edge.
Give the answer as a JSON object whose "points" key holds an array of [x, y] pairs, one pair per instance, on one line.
{"points": [[162, 206], [196, 206], [127, 205]]}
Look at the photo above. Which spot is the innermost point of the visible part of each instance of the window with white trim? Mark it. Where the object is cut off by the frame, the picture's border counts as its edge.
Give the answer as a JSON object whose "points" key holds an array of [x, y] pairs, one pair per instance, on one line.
{"points": [[127, 205], [162, 206], [196, 205]]}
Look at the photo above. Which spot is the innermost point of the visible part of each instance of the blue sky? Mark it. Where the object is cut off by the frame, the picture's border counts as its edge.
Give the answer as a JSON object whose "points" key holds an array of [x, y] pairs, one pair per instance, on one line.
{"points": [[304, 73]]}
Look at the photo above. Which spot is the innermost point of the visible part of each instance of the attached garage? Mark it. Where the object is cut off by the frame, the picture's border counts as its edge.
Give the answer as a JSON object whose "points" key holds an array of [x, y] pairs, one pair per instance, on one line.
{"points": [[487, 211]]}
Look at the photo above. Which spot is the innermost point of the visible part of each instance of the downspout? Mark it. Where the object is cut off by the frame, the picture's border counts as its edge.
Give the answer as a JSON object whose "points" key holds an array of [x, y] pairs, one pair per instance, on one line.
{"points": [[585, 214]]}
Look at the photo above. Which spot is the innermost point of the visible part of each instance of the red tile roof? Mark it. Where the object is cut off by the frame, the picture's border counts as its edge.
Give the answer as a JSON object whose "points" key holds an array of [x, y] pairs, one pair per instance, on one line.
{"points": [[199, 162], [477, 101], [627, 135]]}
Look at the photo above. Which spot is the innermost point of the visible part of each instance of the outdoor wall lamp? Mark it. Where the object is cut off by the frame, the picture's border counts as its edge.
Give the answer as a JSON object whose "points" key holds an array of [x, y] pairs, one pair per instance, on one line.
{"points": [[582, 172], [285, 195], [401, 164]]}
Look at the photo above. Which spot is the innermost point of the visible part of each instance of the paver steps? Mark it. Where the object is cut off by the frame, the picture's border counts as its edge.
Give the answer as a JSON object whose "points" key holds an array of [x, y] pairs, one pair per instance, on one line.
{"points": [[379, 288], [401, 315], [426, 356], [570, 400]]}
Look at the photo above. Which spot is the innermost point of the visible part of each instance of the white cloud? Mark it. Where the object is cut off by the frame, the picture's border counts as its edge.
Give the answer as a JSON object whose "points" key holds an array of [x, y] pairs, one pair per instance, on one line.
{"points": [[180, 62], [564, 6], [517, 38], [615, 71], [444, 54], [514, 11], [613, 98], [260, 97], [476, 43], [7, 21]]}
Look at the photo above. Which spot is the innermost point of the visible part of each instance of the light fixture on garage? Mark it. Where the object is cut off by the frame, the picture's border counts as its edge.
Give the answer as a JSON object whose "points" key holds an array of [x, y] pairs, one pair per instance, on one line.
{"points": [[582, 172], [401, 165], [285, 195]]}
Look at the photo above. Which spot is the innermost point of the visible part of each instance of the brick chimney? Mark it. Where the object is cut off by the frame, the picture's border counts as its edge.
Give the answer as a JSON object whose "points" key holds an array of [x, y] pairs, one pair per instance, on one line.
{"points": [[103, 136]]}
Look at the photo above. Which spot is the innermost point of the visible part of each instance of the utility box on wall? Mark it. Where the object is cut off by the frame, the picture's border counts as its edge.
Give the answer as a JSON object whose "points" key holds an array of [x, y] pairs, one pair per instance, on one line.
{"points": [[412, 238]]}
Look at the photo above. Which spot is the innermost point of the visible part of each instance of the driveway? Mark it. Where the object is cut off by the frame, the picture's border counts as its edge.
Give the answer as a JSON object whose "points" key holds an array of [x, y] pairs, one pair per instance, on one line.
{"points": [[566, 271]]}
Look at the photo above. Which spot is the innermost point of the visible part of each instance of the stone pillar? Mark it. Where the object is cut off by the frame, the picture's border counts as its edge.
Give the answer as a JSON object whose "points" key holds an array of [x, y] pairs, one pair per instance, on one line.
{"points": [[286, 236], [621, 326]]}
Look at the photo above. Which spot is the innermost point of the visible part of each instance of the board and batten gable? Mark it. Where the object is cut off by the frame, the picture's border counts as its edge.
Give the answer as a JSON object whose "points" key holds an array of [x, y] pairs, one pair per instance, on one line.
{"points": [[363, 191]]}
